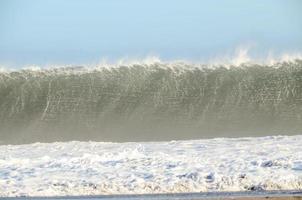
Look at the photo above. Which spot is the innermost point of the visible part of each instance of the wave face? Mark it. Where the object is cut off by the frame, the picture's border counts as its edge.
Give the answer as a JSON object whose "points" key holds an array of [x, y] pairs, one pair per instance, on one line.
{"points": [[150, 102], [94, 168]]}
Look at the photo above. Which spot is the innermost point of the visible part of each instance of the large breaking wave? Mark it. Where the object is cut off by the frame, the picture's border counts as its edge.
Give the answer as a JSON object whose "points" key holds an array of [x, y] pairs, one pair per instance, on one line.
{"points": [[157, 101]]}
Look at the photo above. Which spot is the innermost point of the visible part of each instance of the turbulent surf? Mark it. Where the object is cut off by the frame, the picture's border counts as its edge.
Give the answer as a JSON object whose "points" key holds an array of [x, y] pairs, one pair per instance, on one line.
{"points": [[158, 101], [94, 168]]}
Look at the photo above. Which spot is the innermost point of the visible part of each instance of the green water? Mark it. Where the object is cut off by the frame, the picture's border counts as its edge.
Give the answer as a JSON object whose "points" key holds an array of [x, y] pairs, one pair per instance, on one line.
{"points": [[150, 102]]}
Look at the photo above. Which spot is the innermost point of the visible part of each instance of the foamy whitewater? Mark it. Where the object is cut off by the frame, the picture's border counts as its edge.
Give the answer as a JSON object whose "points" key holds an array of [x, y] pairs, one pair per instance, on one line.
{"points": [[90, 168]]}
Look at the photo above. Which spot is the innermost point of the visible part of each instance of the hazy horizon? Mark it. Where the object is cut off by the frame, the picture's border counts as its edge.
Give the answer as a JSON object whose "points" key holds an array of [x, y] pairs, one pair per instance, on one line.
{"points": [[86, 32]]}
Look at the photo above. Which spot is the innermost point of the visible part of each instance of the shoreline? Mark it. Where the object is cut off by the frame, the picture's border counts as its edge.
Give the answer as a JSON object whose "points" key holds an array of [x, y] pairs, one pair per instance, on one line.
{"points": [[249, 195]]}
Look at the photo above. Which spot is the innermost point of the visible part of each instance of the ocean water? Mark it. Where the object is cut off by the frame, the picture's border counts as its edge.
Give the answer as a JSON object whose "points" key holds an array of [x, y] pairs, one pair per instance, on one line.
{"points": [[102, 168], [150, 102], [83, 130]]}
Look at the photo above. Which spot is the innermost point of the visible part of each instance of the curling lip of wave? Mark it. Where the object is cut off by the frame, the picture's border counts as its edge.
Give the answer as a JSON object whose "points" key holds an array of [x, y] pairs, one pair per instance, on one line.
{"points": [[240, 58]]}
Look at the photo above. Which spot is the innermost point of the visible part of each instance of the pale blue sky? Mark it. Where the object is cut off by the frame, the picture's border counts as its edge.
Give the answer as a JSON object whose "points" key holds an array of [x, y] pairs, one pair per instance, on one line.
{"points": [[44, 32]]}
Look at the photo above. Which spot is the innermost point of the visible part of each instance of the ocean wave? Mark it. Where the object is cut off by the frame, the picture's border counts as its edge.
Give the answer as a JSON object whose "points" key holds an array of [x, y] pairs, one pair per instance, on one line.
{"points": [[150, 102]]}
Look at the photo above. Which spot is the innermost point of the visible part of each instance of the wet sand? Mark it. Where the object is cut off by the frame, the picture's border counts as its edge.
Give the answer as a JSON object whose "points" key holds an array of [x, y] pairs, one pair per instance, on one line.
{"points": [[253, 195]]}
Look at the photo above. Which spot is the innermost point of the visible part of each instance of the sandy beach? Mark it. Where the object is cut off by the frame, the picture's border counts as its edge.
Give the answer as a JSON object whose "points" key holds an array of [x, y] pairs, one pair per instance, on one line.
{"points": [[253, 195]]}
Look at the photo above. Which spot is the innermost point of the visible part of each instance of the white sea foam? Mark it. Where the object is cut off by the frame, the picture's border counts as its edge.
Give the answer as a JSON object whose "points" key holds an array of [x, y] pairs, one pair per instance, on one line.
{"points": [[82, 168]]}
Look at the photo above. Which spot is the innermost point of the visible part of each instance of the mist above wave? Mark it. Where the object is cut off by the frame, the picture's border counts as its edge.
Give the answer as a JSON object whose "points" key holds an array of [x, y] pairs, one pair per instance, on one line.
{"points": [[241, 56]]}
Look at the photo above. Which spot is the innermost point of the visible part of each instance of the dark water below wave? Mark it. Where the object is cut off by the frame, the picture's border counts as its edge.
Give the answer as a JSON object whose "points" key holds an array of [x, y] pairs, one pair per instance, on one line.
{"points": [[150, 102]]}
